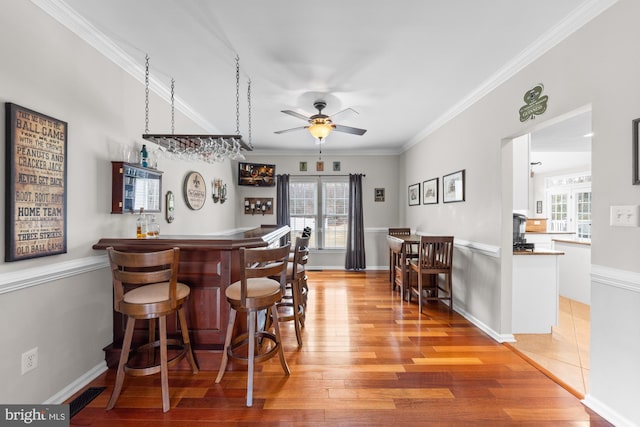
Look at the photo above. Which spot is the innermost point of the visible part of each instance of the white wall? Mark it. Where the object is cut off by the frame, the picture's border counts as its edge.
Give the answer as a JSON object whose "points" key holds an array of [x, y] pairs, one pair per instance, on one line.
{"points": [[380, 171], [49, 70], [592, 66]]}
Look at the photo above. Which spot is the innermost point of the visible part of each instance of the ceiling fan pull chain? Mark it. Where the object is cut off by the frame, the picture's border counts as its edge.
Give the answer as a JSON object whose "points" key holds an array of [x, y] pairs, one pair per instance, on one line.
{"points": [[237, 95], [146, 95]]}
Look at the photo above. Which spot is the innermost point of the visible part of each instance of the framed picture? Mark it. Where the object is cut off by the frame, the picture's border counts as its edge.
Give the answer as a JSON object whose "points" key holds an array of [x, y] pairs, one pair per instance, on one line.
{"points": [[378, 195], [320, 166], [36, 181], [336, 166], [453, 187], [636, 153], [303, 166], [414, 194], [430, 192]]}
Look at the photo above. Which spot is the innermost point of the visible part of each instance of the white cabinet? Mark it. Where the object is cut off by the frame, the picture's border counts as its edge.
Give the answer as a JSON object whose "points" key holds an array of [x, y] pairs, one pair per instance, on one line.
{"points": [[535, 293]]}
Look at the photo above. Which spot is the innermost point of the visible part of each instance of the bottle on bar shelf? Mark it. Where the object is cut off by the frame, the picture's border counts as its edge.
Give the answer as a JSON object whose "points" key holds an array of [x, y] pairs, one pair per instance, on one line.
{"points": [[144, 156], [153, 228], [141, 225]]}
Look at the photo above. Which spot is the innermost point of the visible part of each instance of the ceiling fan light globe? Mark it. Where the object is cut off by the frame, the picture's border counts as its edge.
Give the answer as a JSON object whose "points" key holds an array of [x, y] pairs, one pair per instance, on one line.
{"points": [[320, 130]]}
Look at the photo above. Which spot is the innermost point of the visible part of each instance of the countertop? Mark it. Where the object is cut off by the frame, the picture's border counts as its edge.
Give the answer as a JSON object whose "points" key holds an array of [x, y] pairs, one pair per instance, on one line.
{"points": [[539, 252]]}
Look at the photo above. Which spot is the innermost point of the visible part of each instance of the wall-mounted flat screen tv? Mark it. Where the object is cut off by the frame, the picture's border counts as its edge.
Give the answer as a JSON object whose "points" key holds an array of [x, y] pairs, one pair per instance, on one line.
{"points": [[256, 174]]}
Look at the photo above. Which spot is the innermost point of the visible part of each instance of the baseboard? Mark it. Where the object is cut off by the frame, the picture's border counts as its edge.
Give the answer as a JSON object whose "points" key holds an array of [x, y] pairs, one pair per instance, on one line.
{"points": [[606, 412], [77, 385], [501, 338]]}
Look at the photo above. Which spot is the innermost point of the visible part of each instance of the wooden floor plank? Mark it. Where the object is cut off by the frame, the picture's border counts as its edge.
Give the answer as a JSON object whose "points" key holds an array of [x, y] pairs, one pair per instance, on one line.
{"points": [[368, 359]]}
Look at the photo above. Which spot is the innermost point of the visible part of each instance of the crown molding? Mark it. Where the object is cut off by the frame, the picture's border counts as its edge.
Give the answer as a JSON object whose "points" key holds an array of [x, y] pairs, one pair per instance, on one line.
{"points": [[77, 24], [580, 17]]}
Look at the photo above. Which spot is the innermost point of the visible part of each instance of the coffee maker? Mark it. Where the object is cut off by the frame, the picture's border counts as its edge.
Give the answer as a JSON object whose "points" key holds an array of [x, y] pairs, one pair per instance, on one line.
{"points": [[519, 227]]}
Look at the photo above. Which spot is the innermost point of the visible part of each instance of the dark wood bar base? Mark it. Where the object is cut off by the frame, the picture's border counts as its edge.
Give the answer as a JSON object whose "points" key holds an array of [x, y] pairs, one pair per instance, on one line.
{"points": [[208, 264]]}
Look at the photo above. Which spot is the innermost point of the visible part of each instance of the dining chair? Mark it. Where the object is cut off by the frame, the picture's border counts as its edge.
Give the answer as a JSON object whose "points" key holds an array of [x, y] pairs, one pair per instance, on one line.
{"points": [[397, 231], [435, 258], [400, 263], [145, 286], [256, 291]]}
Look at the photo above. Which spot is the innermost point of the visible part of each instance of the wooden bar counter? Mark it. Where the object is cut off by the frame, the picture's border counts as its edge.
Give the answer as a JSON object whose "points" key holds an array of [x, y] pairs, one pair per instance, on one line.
{"points": [[208, 264]]}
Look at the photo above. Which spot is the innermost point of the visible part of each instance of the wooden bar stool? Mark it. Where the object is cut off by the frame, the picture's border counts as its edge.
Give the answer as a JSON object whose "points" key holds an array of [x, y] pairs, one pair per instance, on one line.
{"points": [[254, 292], [146, 287], [292, 306]]}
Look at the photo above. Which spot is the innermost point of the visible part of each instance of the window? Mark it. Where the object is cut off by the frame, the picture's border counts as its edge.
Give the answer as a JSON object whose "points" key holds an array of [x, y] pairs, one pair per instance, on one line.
{"points": [[583, 215], [559, 212], [321, 203], [569, 199]]}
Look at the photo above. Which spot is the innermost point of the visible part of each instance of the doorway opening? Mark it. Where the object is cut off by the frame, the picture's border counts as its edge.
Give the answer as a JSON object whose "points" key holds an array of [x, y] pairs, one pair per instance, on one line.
{"points": [[558, 189]]}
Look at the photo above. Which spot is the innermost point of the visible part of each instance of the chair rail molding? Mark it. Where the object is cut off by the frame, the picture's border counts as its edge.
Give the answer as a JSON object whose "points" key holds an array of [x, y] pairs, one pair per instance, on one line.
{"points": [[16, 280], [627, 280]]}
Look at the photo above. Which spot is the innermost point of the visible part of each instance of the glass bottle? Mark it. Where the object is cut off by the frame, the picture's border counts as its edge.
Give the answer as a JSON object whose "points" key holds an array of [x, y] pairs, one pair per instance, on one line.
{"points": [[144, 156], [153, 228], [141, 225]]}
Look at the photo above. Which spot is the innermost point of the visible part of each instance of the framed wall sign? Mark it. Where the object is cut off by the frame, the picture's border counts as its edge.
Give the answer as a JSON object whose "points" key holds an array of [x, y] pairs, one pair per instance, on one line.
{"points": [[378, 195], [414, 194], [430, 192], [453, 187], [36, 180], [195, 191]]}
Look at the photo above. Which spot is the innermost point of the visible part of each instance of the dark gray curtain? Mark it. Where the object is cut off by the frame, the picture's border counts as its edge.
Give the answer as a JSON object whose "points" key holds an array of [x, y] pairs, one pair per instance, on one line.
{"points": [[282, 204], [355, 259]]}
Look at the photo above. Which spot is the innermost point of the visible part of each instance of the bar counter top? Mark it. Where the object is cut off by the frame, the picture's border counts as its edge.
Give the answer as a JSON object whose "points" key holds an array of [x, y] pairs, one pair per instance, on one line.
{"points": [[255, 237]]}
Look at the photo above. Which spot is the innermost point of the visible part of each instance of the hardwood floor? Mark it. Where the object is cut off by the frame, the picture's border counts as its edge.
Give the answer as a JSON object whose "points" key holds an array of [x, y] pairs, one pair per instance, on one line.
{"points": [[368, 359]]}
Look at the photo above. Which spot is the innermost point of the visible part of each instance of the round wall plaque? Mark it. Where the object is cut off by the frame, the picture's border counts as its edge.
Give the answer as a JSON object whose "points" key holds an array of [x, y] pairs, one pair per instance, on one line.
{"points": [[195, 190]]}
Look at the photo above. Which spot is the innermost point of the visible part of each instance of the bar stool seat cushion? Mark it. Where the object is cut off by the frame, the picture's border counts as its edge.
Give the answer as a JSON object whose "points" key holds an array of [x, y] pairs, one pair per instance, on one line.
{"points": [[156, 292], [256, 287]]}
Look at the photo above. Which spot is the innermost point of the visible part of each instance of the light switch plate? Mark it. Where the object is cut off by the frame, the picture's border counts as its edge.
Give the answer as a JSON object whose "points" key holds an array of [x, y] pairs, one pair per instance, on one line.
{"points": [[625, 216]]}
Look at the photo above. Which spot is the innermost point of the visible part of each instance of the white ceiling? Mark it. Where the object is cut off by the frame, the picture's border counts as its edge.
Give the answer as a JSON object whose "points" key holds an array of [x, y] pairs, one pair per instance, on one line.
{"points": [[406, 66]]}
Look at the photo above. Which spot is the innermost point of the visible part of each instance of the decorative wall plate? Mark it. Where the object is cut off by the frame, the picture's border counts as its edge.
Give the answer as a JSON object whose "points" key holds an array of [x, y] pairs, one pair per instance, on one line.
{"points": [[195, 190]]}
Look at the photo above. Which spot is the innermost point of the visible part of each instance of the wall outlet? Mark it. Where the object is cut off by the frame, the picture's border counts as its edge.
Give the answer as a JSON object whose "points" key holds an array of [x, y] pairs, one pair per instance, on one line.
{"points": [[625, 216], [29, 360]]}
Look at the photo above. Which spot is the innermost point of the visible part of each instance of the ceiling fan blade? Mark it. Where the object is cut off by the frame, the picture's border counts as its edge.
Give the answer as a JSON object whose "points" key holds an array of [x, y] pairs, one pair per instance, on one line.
{"points": [[349, 129], [345, 114], [296, 114], [290, 130]]}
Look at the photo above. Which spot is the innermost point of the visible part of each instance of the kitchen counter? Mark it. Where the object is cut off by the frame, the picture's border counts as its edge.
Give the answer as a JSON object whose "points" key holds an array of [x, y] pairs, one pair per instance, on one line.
{"points": [[539, 252]]}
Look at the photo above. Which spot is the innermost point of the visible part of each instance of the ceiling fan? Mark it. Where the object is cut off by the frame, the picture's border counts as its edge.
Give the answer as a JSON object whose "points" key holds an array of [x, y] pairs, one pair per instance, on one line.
{"points": [[321, 125]]}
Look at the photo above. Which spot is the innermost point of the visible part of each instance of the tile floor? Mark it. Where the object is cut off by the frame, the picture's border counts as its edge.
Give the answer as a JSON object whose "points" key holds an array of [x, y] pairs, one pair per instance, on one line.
{"points": [[564, 353]]}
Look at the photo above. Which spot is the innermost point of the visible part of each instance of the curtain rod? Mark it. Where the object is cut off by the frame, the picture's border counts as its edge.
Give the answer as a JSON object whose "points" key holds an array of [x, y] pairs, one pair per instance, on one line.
{"points": [[325, 175]]}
